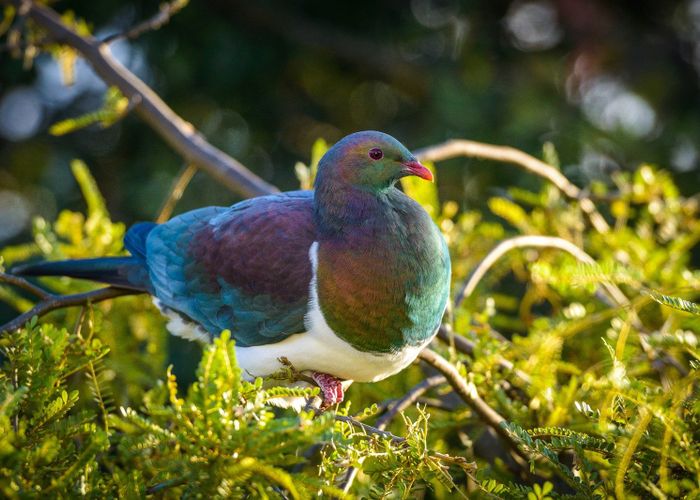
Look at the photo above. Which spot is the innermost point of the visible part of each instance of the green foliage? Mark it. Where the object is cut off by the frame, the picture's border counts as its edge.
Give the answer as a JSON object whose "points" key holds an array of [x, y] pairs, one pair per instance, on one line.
{"points": [[307, 174], [221, 439], [114, 108], [49, 444], [674, 302], [601, 398]]}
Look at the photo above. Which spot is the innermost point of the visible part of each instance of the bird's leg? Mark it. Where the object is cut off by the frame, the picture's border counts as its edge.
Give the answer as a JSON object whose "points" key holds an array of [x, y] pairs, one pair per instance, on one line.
{"points": [[288, 372], [331, 388]]}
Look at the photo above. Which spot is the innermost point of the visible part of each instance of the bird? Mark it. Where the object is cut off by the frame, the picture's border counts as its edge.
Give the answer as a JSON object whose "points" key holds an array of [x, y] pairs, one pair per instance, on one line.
{"points": [[345, 282]]}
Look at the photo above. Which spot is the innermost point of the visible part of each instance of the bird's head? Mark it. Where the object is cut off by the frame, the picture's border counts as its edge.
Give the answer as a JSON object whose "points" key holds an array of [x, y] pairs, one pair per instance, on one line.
{"points": [[369, 160]]}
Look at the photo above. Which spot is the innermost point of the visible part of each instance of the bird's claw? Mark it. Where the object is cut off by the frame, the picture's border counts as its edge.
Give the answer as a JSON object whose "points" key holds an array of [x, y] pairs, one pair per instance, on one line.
{"points": [[331, 389]]}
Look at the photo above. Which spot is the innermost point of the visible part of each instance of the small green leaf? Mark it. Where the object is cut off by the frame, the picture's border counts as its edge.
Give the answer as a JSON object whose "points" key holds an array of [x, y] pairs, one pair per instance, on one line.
{"points": [[673, 302]]}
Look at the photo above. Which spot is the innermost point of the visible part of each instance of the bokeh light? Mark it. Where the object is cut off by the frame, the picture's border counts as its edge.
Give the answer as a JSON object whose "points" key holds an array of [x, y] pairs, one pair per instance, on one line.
{"points": [[15, 213], [533, 26], [21, 114], [611, 106]]}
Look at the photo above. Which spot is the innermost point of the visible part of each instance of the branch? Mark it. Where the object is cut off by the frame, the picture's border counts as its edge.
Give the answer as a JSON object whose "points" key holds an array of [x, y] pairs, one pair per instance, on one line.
{"points": [[368, 429], [532, 241], [25, 285], [469, 395], [178, 133], [53, 302], [507, 154], [408, 399], [161, 18]]}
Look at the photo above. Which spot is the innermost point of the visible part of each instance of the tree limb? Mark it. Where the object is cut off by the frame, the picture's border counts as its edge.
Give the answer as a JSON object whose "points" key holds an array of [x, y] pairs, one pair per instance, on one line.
{"points": [[470, 396], [52, 302], [157, 21], [178, 133], [25, 285], [368, 429], [408, 399], [507, 154]]}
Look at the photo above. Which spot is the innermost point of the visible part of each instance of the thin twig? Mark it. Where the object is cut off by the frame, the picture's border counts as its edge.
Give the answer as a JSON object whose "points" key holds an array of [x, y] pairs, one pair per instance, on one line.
{"points": [[532, 241], [161, 18], [25, 285], [60, 301], [368, 429], [176, 191], [408, 399], [507, 154], [178, 133], [469, 395]]}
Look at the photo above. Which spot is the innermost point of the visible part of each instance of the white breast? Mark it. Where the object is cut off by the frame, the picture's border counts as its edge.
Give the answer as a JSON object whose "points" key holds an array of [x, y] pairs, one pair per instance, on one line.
{"points": [[319, 349]]}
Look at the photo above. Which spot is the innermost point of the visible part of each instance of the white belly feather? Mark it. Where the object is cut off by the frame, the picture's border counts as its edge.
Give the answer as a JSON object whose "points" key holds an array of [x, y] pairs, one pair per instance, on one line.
{"points": [[319, 349]]}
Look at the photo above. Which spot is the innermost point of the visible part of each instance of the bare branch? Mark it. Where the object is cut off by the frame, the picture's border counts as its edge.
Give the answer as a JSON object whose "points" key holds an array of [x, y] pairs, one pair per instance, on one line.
{"points": [[161, 18], [408, 399], [507, 154], [469, 395], [25, 285], [178, 133], [368, 429], [532, 241], [460, 343], [54, 302]]}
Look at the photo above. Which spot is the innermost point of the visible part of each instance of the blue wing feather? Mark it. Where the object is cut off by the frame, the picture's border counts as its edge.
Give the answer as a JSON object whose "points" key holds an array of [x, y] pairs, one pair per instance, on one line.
{"points": [[135, 239], [243, 268]]}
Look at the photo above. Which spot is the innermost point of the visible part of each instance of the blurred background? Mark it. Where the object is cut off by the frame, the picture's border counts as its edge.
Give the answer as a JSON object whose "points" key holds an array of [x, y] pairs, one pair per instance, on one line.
{"points": [[610, 84]]}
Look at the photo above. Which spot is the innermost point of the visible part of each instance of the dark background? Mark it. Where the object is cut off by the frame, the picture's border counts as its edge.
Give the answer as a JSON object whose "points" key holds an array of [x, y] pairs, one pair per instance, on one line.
{"points": [[611, 84]]}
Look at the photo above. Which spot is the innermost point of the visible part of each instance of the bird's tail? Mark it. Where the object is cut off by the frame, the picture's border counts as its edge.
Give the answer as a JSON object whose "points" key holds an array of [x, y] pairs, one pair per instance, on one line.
{"points": [[122, 272]]}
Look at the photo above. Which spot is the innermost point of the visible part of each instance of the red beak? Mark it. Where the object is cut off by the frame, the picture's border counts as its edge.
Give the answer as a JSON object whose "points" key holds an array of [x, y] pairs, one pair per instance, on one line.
{"points": [[414, 167]]}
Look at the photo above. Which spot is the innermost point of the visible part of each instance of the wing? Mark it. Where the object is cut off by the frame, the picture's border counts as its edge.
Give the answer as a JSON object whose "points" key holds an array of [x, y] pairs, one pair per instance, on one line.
{"points": [[245, 268]]}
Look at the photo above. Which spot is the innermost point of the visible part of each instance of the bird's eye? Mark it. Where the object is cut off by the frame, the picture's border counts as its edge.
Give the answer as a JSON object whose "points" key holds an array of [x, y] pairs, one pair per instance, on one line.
{"points": [[376, 154]]}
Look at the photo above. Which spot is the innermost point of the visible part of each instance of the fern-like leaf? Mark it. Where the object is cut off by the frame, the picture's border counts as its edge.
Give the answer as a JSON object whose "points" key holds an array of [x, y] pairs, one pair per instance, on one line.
{"points": [[673, 302]]}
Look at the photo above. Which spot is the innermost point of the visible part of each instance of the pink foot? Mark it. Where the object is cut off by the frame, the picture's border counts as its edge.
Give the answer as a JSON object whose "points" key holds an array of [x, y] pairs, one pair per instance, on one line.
{"points": [[331, 388]]}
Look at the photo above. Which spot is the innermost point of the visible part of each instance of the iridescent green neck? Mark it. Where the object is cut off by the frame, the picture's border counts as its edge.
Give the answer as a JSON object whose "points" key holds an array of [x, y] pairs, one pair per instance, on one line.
{"points": [[382, 272]]}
